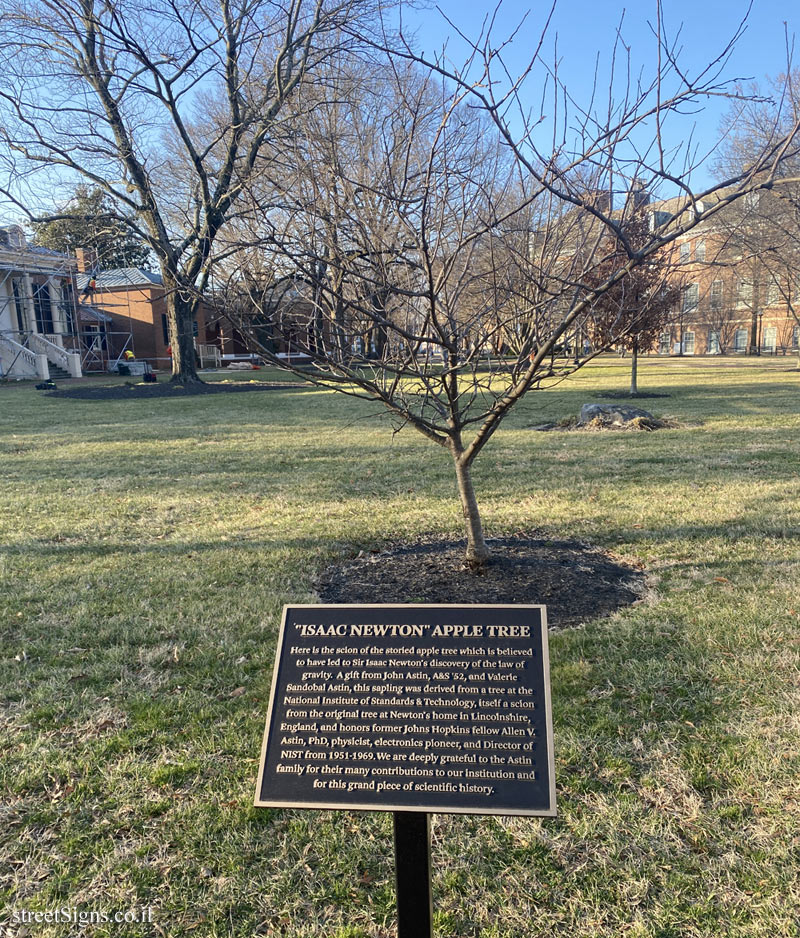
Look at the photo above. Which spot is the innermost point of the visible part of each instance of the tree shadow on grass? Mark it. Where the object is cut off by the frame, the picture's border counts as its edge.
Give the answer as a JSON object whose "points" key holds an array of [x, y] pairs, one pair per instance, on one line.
{"points": [[146, 392]]}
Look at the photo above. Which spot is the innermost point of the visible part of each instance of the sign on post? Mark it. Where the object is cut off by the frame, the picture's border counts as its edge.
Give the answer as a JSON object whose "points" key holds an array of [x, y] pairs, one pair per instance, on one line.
{"points": [[430, 708]]}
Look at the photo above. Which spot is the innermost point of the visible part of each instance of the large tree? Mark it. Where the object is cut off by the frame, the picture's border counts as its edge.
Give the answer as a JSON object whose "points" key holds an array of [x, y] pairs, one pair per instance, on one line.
{"points": [[459, 238], [91, 220], [164, 107]]}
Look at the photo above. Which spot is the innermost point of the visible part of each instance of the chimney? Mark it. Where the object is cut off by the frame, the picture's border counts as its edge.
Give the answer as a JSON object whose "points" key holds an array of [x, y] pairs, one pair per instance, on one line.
{"points": [[87, 260], [640, 197]]}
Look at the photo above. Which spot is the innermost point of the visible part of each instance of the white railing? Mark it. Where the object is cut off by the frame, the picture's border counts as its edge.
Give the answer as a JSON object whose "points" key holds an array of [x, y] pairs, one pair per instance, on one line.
{"points": [[209, 356], [32, 364], [69, 361]]}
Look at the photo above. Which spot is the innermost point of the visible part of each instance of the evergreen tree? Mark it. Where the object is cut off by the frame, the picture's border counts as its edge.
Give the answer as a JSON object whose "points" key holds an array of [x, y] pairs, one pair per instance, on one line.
{"points": [[90, 220]]}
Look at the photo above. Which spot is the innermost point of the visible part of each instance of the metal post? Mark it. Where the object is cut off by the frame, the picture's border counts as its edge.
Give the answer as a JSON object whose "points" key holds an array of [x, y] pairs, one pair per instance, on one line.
{"points": [[412, 852]]}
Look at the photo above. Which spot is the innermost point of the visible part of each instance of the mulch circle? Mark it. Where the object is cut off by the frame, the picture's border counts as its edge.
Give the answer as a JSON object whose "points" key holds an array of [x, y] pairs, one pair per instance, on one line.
{"points": [[142, 392], [575, 581]]}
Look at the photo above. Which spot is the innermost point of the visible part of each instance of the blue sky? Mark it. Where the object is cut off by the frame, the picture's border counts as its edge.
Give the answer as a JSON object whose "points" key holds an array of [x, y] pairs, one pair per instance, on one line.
{"points": [[583, 30]]}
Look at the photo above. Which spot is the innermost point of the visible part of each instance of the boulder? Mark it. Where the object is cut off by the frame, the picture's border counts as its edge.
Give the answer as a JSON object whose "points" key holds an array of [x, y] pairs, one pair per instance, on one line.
{"points": [[615, 415]]}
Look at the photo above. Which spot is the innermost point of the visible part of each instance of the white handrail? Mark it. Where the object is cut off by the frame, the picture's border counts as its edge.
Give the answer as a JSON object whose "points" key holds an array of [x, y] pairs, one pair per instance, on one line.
{"points": [[54, 352], [18, 350], [31, 359], [69, 361]]}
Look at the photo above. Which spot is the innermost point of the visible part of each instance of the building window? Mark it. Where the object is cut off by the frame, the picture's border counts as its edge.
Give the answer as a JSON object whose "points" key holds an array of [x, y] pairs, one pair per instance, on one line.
{"points": [[685, 252], [164, 328], [690, 297], [770, 340], [688, 343], [700, 250], [659, 219], [716, 294], [745, 294], [796, 337], [713, 342], [19, 304], [773, 293], [67, 306], [42, 308], [96, 338], [740, 340], [663, 343]]}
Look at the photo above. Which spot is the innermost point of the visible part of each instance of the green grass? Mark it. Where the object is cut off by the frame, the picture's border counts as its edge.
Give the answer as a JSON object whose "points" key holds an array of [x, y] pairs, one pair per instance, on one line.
{"points": [[148, 548]]}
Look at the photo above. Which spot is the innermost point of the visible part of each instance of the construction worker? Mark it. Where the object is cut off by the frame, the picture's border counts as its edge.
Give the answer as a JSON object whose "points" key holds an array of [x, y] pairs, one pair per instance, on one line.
{"points": [[90, 287]]}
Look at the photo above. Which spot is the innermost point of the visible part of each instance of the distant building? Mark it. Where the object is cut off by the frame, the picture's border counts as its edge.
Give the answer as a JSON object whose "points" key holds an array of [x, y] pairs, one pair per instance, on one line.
{"points": [[277, 318], [134, 300], [740, 294], [738, 272]]}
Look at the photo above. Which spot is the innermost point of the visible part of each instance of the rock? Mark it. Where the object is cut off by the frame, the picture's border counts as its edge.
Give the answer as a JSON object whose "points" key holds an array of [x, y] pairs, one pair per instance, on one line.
{"points": [[615, 415]]}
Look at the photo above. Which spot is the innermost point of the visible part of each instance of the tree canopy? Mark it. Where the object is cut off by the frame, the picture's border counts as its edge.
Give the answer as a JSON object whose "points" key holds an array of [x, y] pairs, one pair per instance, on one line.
{"points": [[637, 309], [91, 220]]}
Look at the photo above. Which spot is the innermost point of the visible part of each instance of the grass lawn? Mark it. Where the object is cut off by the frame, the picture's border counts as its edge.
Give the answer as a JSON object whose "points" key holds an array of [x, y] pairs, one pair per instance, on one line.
{"points": [[147, 550]]}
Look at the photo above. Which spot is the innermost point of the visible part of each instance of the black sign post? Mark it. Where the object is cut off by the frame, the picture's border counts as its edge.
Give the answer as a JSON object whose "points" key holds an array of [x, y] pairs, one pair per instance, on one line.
{"points": [[411, 709], [412, 857]]}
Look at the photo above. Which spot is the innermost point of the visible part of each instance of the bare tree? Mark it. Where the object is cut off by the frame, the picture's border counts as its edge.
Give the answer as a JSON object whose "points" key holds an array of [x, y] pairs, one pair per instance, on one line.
{"points": [[762, 233], [472, 252], [166, 108]]}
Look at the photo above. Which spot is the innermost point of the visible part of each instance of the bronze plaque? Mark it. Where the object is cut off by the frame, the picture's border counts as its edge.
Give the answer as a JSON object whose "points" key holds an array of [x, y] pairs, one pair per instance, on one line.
{"points": [[434, 708]]}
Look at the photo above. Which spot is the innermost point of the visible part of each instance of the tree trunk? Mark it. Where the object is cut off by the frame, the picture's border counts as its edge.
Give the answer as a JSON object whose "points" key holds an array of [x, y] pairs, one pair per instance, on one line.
{"points": [[635, 369], [754, 349], [477, 553], [181, 312]]}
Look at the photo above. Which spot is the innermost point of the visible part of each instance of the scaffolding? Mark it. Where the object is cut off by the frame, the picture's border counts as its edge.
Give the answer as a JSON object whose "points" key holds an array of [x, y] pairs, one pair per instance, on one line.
{"points": [[40, 325]]}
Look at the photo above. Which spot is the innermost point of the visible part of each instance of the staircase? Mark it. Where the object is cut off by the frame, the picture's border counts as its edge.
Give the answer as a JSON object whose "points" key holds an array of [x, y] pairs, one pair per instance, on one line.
{"points": [[18, 361], [63, 363]]}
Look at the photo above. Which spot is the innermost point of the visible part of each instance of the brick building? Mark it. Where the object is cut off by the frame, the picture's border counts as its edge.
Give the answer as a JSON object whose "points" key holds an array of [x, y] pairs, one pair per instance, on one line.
{"points": [[739, 286], [134, 299]]}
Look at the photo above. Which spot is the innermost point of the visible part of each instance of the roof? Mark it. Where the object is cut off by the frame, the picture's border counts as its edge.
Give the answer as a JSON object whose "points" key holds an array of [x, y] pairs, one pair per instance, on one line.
{"points": [[14, 242], [46, 252], [121, 277], [88, 313], [282, 291]]}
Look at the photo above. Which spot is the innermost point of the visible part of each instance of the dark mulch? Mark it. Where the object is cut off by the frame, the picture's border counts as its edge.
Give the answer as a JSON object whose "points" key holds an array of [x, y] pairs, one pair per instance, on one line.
{"points": [[575, 581], [145, 392]]}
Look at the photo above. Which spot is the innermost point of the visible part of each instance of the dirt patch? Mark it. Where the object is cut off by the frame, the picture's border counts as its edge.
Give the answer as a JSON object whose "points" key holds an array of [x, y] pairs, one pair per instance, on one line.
{"points": [[130, 391], [576, 581]]}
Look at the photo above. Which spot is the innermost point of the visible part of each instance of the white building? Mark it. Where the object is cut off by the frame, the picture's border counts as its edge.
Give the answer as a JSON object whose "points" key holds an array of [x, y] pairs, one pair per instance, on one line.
{"points": [[37, 310]]}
